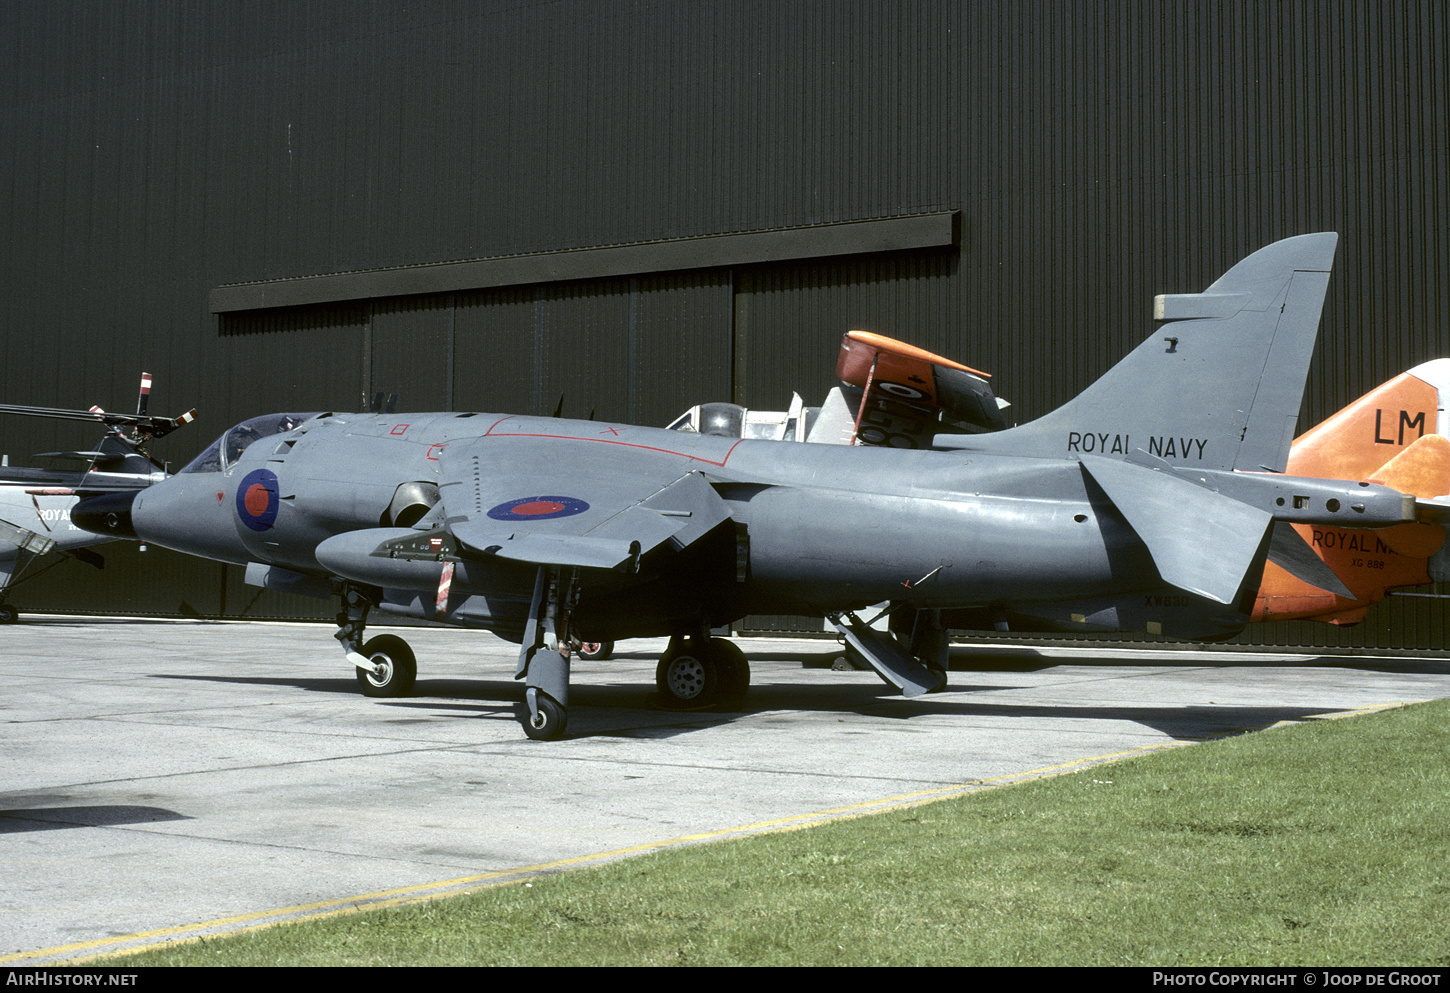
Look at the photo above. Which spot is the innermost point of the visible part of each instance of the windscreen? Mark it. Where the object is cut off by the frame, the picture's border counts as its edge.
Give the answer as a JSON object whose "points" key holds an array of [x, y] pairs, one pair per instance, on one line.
{"points": [[225, 451]]}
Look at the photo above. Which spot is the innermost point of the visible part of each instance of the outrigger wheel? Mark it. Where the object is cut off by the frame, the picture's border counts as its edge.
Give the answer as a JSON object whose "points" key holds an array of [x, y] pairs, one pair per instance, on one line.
{"points": [[397, 667], [595, 651], [8, 614]]}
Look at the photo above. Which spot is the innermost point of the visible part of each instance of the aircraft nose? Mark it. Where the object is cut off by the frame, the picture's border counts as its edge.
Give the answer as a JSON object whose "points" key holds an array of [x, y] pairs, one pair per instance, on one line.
{"points": [[108, 514]]}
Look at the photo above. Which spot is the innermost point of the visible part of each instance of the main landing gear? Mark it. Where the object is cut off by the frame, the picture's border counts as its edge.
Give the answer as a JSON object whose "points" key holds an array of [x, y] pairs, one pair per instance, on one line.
{"points": [[386, 666], [699, 672], [696, 672]]}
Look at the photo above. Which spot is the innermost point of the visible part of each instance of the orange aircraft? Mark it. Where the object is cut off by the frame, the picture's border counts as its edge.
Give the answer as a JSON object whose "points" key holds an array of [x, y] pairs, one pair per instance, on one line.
{"points": [[1392, 436]]}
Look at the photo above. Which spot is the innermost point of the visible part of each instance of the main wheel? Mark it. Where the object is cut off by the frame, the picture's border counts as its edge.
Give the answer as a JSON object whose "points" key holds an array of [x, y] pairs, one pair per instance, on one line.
{"points": [[596, 651], [734, 671], [399, 667], [687, 680], [550, 724], [940, 674]]}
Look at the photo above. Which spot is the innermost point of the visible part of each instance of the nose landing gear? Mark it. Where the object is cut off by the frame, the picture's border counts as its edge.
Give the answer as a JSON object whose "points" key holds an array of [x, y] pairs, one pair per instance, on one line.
{"points": [[386, 666], [394, 667]]}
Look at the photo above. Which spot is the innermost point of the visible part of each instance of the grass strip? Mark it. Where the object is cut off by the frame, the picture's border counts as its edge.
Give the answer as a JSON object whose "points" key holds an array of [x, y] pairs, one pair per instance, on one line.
{"points": [[1323, 843]]}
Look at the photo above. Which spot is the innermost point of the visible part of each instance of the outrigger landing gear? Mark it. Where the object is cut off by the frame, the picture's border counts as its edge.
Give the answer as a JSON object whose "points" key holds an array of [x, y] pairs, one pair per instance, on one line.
{"points": [[386, 666], [594, 651], [697, 672]]}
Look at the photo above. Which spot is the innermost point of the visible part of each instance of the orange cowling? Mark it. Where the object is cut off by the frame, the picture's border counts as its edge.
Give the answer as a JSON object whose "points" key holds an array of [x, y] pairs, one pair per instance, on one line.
{"points": [[1386, 437], [894, 362]]}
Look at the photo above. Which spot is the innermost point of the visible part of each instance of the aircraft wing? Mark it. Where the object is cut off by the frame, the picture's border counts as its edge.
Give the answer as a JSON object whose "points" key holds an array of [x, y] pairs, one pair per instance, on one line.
{"points": [[916, 375], [573, 502]]}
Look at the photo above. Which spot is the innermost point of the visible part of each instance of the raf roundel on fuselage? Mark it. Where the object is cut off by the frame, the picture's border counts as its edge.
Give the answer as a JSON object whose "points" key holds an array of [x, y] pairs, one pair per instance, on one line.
{"points": [[257, 499]]}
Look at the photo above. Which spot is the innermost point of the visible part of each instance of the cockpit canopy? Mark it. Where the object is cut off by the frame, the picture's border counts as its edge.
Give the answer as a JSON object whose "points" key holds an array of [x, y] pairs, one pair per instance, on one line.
{"points": [[225, 451]]}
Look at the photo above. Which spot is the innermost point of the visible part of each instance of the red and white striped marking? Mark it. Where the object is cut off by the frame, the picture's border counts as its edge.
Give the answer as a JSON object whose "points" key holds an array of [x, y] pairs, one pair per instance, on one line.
{"points": [[445, 582]]}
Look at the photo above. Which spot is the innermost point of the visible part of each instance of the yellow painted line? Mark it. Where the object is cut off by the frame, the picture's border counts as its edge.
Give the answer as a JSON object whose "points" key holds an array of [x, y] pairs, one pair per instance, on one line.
{"points": [[423, 892]]}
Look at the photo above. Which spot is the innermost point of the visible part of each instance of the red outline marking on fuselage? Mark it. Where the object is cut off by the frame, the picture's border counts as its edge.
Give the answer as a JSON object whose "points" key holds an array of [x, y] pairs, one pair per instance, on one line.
{"points": [[607, 441]]}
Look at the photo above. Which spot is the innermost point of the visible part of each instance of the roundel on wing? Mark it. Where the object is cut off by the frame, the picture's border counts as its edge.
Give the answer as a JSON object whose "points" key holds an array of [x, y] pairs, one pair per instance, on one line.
{"points": [[538, 508], [257, 499]]}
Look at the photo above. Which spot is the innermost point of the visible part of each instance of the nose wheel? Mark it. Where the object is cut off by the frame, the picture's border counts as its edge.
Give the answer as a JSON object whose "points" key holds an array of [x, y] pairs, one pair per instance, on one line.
{"points": [[395, 667], [547, 720]]}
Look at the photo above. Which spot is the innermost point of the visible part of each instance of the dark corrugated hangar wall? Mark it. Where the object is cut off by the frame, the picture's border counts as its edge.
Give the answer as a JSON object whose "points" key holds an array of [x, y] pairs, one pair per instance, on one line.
{"points": [[1096, 154]]}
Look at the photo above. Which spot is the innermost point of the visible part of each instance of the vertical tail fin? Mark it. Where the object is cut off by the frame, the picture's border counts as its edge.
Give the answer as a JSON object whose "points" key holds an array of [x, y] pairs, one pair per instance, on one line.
{"points": [[1361, 438], [1218, 384]]}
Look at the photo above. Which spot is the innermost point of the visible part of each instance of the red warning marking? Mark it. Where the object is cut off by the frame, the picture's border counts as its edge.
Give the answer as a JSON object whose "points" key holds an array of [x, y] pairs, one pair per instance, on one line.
{"points": [[398, 429], [445, 584]]}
